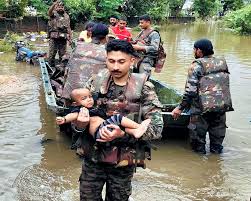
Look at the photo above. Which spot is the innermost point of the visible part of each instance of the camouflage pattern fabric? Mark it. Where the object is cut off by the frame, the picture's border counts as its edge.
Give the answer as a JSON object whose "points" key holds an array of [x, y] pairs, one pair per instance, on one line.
{"points": [[206, 87], [59, 23], [86, 60], [150, 105], [214, 123], [56, 46], [151, 43], [214, 89], [95, 175], [118, 179]]}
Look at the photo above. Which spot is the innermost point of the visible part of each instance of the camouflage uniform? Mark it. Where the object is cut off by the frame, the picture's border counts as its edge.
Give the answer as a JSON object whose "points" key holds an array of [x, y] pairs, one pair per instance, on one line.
{"points": [[58, 30], [86, 60], [151, 43], [208, 102], [118, 178]]}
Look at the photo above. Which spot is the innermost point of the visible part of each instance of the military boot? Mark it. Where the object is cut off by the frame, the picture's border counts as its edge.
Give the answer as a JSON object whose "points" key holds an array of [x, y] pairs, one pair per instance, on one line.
{"points": [[216, 148]]}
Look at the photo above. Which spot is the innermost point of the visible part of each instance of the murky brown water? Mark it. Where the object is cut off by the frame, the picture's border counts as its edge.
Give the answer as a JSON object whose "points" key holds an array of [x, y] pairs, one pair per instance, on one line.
{"points": [[31, 170]]}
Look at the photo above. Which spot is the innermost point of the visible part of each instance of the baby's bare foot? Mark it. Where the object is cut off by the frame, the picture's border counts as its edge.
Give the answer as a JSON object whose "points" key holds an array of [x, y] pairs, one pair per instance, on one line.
{"points": [[142, 128]]}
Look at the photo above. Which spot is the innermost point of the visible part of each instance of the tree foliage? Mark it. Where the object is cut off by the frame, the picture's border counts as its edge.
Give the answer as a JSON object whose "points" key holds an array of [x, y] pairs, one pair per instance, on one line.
{"points": [[229, 5], [206, 8], [106, 8], [41, 6], [15, 8], [80, 10], [240, 20], [175, 7]]}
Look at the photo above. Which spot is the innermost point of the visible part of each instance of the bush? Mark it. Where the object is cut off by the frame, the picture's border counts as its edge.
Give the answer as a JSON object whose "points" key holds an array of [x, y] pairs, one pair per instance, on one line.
{"points": [[80, 10], [239, 20], [5, 46]]}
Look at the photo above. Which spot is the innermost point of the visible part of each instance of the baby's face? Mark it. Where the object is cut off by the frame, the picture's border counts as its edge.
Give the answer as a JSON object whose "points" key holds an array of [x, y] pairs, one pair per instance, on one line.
{"points": [[86, 100]]}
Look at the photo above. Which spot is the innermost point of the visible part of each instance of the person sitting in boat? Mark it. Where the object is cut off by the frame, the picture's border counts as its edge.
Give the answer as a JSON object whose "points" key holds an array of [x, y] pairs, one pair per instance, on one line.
{"points": [[121, 31], [86, 35], [95, 117]]}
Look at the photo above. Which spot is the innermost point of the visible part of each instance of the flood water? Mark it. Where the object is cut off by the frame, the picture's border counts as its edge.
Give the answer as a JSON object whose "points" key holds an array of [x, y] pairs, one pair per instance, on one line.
{"points": [[37, 164]]}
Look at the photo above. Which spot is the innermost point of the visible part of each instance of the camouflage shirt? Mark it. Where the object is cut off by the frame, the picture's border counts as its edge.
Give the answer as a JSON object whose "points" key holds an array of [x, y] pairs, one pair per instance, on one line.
{"points": [[191, 97], [59, 22], [150, 42], [151, 107]]}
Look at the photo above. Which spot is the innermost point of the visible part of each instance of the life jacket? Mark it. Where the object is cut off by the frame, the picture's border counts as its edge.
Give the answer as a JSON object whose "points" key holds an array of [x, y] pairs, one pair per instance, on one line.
{"points": [[160, 58], [214, 90], [120, 153], [128, 104]]}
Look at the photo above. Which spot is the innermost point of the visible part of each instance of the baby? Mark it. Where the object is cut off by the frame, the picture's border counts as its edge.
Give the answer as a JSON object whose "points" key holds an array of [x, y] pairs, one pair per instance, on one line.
{"points": [[85, 112]]}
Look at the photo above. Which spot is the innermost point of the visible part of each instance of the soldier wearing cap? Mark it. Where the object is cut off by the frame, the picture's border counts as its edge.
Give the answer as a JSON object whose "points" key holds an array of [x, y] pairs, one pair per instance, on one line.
{"points": [[59, 31], [207, 95]]}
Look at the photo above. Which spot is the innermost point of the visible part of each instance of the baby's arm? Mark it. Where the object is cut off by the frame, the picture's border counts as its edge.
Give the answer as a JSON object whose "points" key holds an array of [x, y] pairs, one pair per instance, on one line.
{"points": [[68, 118]]}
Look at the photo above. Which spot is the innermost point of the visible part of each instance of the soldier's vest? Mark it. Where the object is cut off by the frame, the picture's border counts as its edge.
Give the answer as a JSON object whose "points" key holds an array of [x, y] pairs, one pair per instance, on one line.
{"points": [[58, 26], [121, 153], [214, 90], [160, 57], [127, 104]]}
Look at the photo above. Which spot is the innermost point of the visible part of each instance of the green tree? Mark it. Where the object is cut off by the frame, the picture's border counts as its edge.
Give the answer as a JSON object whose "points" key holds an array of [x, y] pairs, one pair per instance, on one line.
{"points": [[15, 8], [106, 8], [158, 9], [175, 7], [2, 5], [206, 8], [41, 6], [80, 10], [229, 5], [240, 20]]}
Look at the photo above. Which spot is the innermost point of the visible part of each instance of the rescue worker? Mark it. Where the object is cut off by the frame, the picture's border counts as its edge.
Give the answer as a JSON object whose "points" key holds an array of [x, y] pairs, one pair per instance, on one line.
{"points": [[207, 95], [87, 59], [59, 31], [112, 160], [147, 43]]}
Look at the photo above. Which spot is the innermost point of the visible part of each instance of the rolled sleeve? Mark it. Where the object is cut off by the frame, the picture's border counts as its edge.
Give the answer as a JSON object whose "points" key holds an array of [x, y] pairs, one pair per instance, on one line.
{"points": [[195, 72], [151, 109]]}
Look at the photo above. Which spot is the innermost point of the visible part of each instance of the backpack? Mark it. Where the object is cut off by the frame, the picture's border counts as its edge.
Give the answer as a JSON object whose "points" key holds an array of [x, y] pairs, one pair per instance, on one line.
{"points": [[161, 57]]}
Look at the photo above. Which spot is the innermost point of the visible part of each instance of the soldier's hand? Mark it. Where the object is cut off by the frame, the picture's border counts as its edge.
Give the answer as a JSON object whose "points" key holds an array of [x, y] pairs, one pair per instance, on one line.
{"points": [[176, 113], [60, 120], [107, 135]]}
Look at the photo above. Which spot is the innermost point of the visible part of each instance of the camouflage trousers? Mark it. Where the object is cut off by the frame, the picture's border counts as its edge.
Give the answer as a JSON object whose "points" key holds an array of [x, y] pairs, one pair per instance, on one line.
{"points": [[56, 46], [95, 175], [211, 122]]}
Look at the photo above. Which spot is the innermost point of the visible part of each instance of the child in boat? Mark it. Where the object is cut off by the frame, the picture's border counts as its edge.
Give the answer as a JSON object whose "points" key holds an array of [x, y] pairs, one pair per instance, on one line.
{"points": [[85, 112]]}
